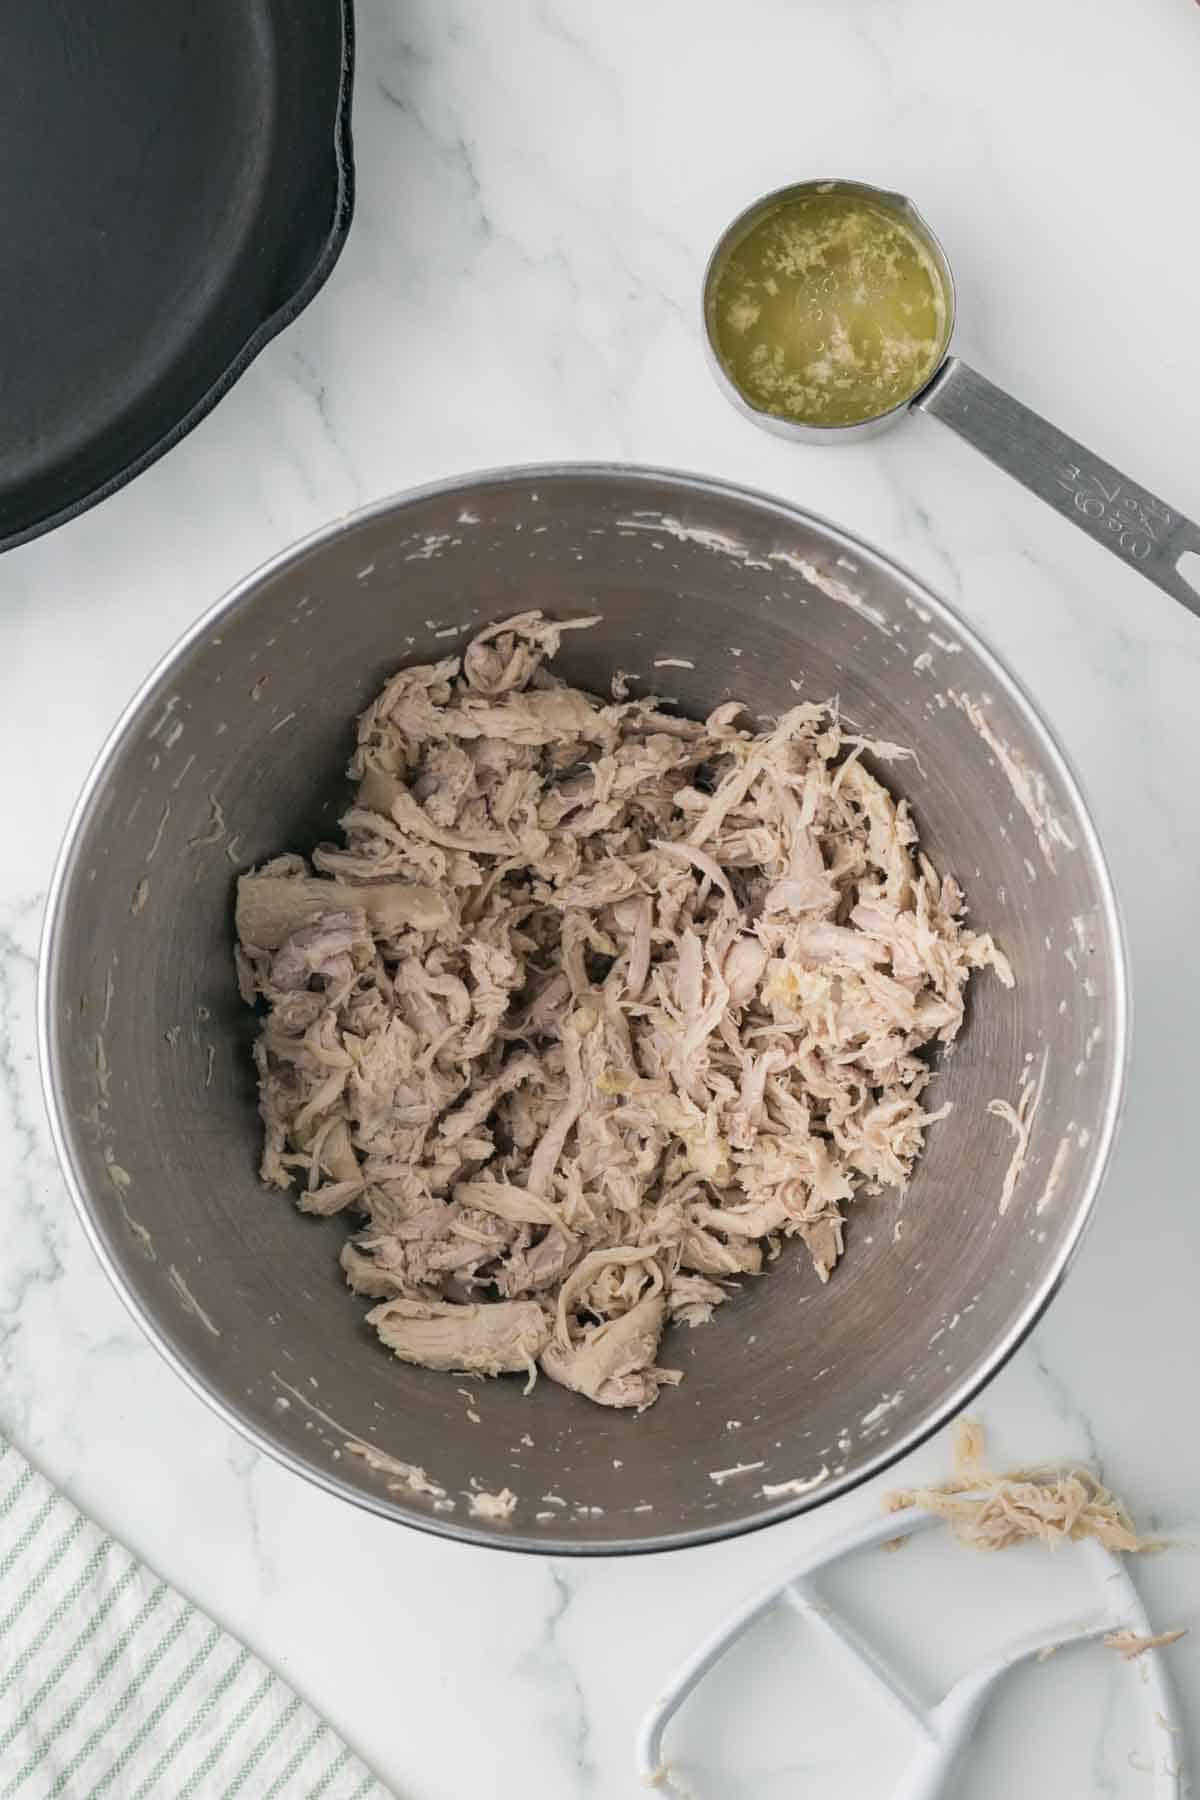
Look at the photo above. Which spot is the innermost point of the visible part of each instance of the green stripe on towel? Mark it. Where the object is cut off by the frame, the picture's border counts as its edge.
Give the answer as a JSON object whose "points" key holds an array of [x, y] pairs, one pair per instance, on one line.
{"points": [[112, 1687]]}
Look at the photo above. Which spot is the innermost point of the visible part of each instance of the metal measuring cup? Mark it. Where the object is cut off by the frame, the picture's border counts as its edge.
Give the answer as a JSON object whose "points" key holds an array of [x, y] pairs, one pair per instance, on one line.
{"points": [[1128, 520]]}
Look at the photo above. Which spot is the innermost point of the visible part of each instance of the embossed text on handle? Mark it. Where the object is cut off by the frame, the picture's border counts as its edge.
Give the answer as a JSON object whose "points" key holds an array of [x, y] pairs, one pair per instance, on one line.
{"points": [[1133, 524]]}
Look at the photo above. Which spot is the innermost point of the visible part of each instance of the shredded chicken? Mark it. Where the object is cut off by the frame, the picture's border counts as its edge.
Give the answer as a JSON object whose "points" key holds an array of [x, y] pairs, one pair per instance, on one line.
{"points": [[1019, 1119], [409, 1475], [1131, 1644], [493, 1506], [591, 1007], [992, 1512]]}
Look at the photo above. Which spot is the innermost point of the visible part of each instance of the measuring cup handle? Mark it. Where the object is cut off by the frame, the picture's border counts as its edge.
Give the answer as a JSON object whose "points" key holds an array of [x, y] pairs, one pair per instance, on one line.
{"points": [[1132, 523]]}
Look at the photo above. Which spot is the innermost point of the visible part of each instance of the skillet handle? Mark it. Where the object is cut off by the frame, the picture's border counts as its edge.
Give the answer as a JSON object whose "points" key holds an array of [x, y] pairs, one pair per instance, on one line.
{"points": [[1127, 520]]}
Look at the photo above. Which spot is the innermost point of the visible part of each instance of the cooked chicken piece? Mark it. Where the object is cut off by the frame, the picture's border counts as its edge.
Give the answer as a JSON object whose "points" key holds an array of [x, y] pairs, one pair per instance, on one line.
{"points": [[1130, 1645], [993, 1512], [515, 1204], [593, 1007], [693, 1299], [614, 1363], [483, 1340], [271, 907]]}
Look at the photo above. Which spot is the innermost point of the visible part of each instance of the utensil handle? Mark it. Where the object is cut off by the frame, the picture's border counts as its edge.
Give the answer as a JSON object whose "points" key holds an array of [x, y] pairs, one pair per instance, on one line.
{"points": [[927, 1777], [1129, 521]]}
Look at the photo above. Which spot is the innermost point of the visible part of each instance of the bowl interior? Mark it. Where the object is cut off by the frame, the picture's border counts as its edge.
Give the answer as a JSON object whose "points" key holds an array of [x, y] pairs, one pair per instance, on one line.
{"points": [[234, 751]]}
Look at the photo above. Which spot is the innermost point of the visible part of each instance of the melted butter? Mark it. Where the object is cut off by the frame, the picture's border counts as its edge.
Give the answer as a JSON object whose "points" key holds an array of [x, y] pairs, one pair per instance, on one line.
{"points": [[829, 310]]}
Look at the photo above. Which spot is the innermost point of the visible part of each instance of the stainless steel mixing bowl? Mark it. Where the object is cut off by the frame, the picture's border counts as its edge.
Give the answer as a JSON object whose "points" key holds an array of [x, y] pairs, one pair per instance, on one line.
{"points": [[232, 751]]}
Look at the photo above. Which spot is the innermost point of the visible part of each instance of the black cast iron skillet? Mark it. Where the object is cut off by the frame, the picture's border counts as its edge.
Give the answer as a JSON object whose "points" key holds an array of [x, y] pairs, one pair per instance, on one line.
{"points": [[176, 182]]}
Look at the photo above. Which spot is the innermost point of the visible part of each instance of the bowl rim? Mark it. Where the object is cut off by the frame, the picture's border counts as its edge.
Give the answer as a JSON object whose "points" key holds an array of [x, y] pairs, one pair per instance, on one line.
{"points": [[962, 1392]]}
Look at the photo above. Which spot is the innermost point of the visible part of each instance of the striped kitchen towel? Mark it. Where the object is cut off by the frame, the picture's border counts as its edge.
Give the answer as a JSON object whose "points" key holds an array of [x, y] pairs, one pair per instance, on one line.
{"points": [[111, 1684]]}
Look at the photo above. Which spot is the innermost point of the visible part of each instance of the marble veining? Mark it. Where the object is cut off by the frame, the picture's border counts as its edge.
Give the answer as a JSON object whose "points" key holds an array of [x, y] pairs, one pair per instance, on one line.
{"points": [[539, 186]]}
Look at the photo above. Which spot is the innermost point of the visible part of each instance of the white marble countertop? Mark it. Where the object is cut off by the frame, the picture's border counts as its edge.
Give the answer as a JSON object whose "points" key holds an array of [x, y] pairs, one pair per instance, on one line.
{"points": [[539, 184]]}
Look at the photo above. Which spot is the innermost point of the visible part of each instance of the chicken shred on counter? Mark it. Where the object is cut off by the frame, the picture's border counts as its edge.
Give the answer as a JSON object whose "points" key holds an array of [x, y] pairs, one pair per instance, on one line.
{"points": [[1053, 1506], [1130, 1645], [591, 1008]]}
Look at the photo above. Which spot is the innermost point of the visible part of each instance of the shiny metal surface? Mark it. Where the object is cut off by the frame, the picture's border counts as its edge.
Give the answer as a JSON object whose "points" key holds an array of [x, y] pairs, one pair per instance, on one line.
{"points": [[1133, 523], [232, 751], [1128, 520]]}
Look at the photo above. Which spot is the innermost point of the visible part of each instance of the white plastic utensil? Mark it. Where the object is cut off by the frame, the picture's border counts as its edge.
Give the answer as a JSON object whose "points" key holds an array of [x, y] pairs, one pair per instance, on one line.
{"points": [[941, 1730]]}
